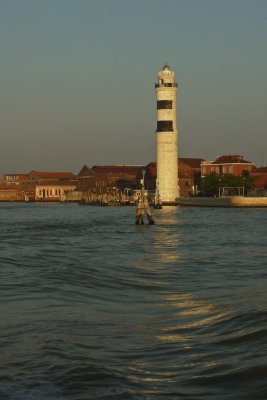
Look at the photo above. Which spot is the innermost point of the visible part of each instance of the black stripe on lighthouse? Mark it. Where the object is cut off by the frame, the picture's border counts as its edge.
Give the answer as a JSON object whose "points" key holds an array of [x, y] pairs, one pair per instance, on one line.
{"points": [[164, 126], [164, 104]]}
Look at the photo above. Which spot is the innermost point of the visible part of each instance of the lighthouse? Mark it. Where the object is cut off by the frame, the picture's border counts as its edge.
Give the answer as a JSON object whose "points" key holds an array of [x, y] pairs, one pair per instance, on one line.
{"points": [[167, 136]]}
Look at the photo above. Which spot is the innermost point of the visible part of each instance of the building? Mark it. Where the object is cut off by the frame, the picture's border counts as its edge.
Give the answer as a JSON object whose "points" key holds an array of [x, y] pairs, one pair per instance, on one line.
{"points": [[167, 136], [48, 186], [189, 175], [14, 179], [11, 192], [121, 176], [101, 179], [34, 177], [226, 165], [260, 178], [51, 190], [37, 186]]}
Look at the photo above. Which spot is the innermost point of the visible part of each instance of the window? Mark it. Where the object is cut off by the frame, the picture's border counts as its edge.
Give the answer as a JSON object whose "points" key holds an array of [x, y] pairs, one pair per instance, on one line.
{"points": [[164, 126], [164, 104]]}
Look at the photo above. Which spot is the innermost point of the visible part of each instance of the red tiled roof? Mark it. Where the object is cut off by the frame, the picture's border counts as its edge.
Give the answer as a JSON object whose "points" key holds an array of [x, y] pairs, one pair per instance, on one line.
{"points": [[51, 175], [131, 170], [192, 162], [231, 159], [86, 171]]}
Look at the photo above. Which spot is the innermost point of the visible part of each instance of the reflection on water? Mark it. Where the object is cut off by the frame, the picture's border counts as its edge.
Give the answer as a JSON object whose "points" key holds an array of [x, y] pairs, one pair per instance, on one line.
{"points": [[190, 314], [168, 237], [94, 307]]}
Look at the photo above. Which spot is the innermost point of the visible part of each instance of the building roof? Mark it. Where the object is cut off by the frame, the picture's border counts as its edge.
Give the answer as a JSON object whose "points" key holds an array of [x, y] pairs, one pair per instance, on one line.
{"points": [[192, 162], [20, 176], [130, 170], [51, 175], [151, 170], [86, 171], [231, 159]]}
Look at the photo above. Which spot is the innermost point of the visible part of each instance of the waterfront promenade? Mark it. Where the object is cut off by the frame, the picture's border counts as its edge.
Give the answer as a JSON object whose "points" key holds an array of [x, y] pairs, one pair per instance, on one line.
{"points": [[233, 201]]}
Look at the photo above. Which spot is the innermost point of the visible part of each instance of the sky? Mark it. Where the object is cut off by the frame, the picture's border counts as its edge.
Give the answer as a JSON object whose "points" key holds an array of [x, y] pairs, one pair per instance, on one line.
{"points": [[77, 80]]}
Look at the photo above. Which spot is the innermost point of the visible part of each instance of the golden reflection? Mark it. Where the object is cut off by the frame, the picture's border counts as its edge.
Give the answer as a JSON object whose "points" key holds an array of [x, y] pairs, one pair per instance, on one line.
{"points": [[174, 338], [176, 297], [142, 373], [191, 314], [176, 328], [166, 245], [167, 239], [179, 332]]}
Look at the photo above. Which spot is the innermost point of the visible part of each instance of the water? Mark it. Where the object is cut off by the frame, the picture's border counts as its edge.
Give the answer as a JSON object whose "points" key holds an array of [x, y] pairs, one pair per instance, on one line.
{"points": [[94, 307]]}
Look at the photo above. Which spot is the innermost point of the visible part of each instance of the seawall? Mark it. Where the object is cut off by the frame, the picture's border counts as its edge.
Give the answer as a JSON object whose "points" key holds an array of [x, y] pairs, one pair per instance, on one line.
{"points": [[233, 201]]}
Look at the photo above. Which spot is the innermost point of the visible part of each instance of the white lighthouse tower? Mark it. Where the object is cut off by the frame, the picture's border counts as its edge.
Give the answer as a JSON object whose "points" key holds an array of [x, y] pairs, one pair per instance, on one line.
{"points": [[167, 136]]}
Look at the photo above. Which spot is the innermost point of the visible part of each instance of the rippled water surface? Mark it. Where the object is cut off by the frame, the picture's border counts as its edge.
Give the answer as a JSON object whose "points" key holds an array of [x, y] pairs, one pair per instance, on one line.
{"points": [[95, 307]]}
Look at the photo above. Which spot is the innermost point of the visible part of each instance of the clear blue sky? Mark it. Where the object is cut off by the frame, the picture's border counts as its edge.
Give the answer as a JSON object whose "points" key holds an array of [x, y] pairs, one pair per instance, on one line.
{"points": [[77, 80]]}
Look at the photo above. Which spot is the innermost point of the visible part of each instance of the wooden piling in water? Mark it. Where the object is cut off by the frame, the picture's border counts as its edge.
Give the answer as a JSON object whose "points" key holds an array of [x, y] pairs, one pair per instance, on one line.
{"points": [[142, 207]]}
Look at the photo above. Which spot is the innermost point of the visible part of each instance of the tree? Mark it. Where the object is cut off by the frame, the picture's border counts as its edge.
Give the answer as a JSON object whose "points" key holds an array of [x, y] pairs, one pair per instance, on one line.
{"points": [[210, 184]]}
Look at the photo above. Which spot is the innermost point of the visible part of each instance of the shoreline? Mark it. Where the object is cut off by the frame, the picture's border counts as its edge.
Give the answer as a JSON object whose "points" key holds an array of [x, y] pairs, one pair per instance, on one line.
{"points": [[233, 201]]}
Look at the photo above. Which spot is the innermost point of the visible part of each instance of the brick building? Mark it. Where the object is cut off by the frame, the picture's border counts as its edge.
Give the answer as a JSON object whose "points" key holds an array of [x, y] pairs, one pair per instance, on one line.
{"points": [[226, 165], [102, 178], [260, 175], [34, 177], [188, 174], [37, 186], [14, 179]]}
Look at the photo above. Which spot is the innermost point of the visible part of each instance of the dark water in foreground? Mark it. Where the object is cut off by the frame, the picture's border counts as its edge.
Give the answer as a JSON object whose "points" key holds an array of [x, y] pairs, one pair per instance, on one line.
{"points": [[94, 307]]}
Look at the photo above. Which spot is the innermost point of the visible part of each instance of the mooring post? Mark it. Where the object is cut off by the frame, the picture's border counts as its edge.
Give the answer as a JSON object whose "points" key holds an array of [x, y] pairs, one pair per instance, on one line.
{"points": [[148, 211], [139, 216], [143, 205]]}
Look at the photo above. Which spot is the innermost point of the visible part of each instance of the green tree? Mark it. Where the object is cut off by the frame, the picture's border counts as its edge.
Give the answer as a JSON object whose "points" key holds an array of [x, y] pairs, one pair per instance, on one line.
{"points": [[210, 184]]}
